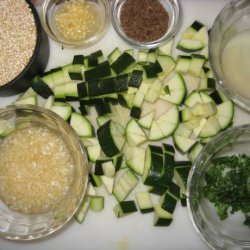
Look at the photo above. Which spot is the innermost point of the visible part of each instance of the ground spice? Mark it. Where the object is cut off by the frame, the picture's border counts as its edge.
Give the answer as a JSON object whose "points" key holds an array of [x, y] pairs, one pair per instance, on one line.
{"points": [[144, 21]]}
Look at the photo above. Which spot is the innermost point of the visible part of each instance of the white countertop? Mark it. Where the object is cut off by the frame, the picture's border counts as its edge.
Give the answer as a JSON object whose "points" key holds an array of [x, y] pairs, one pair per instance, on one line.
{"points": [[136, 231]]}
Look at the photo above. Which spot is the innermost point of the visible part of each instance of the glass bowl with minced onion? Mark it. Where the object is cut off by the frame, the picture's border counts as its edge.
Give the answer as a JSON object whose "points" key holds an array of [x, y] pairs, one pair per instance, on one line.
{"points": [[229, 50], [146, 24], [75, 23], [24, 46], [43, 172], [218, 190]]}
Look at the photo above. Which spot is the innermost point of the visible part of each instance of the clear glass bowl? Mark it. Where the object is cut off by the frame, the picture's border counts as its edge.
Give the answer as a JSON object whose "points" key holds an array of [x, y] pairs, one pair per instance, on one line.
{"points": [[173, 9], [232, 20], [18, 226], [230, 233], [49, 10]]}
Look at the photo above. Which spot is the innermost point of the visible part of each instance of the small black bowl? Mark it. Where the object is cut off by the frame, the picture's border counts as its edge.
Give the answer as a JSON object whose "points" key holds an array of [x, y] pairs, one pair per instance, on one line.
{"points": [[37, 63]]}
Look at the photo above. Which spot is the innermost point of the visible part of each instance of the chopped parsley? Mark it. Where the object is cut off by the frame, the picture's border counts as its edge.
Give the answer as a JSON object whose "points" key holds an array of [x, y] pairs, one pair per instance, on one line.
{"points": [[228, 185]]}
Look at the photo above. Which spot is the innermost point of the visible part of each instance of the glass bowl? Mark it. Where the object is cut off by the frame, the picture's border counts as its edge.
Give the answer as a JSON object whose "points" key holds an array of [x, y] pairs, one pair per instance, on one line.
{"points": [[173, 9], [230, 233], [36, 64], [229, 46], [17, 225], [69, 30]]}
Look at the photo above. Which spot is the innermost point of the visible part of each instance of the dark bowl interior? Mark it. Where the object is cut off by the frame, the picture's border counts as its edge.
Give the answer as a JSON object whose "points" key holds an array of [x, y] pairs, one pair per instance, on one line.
{"points": [[37, 62]]}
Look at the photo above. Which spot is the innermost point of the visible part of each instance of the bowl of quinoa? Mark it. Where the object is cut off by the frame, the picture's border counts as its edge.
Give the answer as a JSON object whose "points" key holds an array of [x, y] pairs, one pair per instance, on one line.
{"points": [[24, 46], [43, 172]]}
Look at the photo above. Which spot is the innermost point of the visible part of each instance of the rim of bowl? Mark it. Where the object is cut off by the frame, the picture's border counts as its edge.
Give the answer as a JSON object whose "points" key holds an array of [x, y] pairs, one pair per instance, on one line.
{"points": [[175, 9], [233, 95], [57, 118], [77, 44], [217, 138], [35, 51]]}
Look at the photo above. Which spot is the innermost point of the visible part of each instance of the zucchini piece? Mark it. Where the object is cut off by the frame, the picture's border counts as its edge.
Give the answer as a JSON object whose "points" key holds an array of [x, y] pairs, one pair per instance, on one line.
{"points": [[102, 119], [96, 203], [183, 63], [225, 114], [167, 64], [176, 89], [196, 64], [100, 71], [75, 74], [78, 59], [189, 45], [158, 189], [82, 90], [168, 170], [121, 83], [142, 56], [168, 202], [95, 180], [134, 133], [63, 111], [59, 92], [165, 125], [124, 208], [71, 90], [135, 158], [32, 100], [122, 62], [181, 172], [28, 93], [135, 79], [135, 112], [140, 94], [154, 91], [153, 168], [203, 109], [48, 79], [166, 49], [93, 148], [183, 144], [82, 210], [192, 99], [108, 168], [152, 69], [144, 202], [108, 183], [102, 108], [81, 125], [125, 185], [192, 29], [41, 88], [208, 84], [194, 151], [211, 128], [161, 216], [49, 102], [151, 56], [110, 138], [112, 57], [146, 121], [126, 100]]}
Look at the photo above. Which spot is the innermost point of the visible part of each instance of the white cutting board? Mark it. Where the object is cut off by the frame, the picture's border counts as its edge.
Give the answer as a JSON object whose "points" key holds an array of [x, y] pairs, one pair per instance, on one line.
{"points": [[134, 232]]}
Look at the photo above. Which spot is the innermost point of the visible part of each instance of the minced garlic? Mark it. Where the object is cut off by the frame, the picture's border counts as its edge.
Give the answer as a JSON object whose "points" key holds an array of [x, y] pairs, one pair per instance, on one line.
{"points": [[76, 20], [36, 169]]}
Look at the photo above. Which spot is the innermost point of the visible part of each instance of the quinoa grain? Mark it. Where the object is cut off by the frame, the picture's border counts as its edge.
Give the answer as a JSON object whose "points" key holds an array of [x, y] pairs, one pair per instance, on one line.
{"points": [[17, 38]]}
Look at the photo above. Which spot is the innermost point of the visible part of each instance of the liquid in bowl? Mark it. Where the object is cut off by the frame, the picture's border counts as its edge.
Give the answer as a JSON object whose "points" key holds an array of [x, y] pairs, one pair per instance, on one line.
{"points": [[236, 63]]}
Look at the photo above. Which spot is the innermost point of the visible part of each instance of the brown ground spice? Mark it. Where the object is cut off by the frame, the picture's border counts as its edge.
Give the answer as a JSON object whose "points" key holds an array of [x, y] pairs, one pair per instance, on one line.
{"points": [[144, 20]]}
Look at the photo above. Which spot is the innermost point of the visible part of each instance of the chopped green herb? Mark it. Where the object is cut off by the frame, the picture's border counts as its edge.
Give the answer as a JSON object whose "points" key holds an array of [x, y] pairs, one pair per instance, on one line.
{"points": [[228, 185]]}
